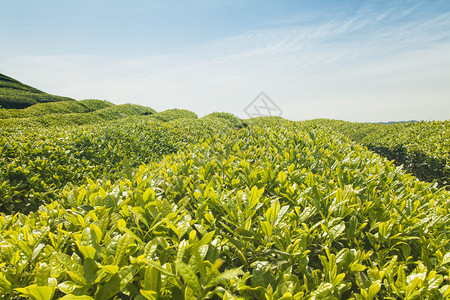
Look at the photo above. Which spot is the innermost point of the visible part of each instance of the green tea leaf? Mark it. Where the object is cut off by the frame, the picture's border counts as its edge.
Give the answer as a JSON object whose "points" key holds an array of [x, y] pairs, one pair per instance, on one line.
{"points": [[109, 289], [4, 283], [67, 287], [122, 245], [37, 292], [42, 274], [74, 297], [374, 289], [189, 277], [150, 295], [152, 280]]}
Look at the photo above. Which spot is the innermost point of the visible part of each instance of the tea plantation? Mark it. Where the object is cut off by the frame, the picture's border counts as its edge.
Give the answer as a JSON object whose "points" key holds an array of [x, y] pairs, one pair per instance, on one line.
{"points": [[122, 202], [16, 95], [423, 148]]}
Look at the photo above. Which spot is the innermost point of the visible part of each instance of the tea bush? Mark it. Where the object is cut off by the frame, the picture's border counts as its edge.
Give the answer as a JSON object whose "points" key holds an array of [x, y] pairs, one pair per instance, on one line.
{"points": [[275, 210], [173, 114], [423, 148], [63, 107], [108, 113]]}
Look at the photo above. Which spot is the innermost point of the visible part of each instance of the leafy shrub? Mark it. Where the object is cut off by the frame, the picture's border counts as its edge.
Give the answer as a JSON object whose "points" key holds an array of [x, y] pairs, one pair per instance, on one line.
{"points": [[173, 114], [94, 104], [228, 118], [423, 148], [265, 212], [18, 99], [63, 107], [93, 117], [36, 165]]}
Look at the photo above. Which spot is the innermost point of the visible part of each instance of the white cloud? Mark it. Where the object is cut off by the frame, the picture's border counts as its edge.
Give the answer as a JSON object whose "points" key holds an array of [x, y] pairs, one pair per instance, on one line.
{"points": [[376, 65]]}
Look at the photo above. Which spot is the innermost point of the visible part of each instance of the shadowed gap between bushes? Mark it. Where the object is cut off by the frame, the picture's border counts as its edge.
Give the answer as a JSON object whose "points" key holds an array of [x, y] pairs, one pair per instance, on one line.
{"points": [[421, 166]]}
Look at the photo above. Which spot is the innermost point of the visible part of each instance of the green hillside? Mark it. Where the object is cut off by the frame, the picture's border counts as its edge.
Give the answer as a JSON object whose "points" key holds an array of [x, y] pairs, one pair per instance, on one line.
{"points": [[11, 83], [26, 106], [173, 114], [104, 201], [214, 208], [109, 113], [16, 95], [63, 107]]}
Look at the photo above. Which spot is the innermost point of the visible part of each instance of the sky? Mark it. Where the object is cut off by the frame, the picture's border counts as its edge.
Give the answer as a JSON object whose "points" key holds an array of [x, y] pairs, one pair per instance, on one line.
{"points": [[364, 61]]}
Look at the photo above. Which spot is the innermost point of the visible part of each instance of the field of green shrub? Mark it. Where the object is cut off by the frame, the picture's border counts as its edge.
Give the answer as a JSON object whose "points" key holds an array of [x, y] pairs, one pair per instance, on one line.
{"points": [[423, 148], [62, 107], [108, 113], [104, 201], [173, 114], [179, 207]]}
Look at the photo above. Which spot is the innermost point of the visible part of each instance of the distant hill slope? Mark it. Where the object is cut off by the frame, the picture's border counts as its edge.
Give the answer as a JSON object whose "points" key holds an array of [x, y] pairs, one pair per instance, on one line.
{"points": [[62, 107], [11, 83], [23, 105], [108, 113], [14, 94], [396, 122], [173, 114]]}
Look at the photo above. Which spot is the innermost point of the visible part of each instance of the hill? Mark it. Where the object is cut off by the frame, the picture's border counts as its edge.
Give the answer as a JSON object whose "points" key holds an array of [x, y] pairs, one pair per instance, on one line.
{"points": [[62, 107], [108, 113], [25, 106], [14, 94], [396, 122]]}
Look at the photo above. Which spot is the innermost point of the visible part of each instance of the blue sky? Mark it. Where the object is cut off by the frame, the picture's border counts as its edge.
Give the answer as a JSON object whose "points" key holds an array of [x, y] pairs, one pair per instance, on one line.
{"points": [[349, 60]]}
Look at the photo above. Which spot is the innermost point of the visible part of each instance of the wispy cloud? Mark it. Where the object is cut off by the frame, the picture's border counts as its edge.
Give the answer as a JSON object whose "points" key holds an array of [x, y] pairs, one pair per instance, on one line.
{"points": [[353, 66]]}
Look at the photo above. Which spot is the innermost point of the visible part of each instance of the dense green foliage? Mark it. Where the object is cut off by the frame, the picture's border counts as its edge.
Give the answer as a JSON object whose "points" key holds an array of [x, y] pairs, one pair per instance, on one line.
{"points": [[228, 118], [63, 107], [94, 117], [103, 201], [11, 83], [272, 210], [16, 95], [423, 148], [173, 114], [36, 164]]}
